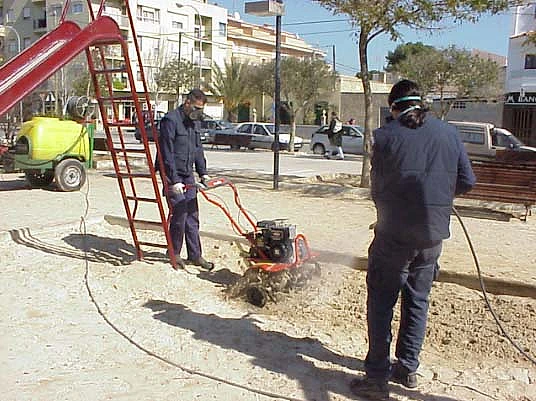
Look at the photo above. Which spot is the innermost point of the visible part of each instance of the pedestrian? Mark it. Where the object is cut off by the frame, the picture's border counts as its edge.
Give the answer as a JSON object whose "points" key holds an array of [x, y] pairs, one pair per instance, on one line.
{"points": [[351, 121], [418, 165], [182, 151], [335, 138]]}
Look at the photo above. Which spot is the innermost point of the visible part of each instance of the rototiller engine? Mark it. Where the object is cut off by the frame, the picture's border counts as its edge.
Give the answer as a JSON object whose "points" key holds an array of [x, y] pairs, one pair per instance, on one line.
{"points": [[280, 258]]}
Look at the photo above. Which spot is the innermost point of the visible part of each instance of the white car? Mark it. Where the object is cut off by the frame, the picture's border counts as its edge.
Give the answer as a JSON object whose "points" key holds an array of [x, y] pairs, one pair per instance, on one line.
{"points": [[262, 136]]}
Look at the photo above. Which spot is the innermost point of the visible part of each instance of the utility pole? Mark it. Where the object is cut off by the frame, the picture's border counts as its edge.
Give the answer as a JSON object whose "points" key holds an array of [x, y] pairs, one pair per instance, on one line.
{"points": [[333, 56]]}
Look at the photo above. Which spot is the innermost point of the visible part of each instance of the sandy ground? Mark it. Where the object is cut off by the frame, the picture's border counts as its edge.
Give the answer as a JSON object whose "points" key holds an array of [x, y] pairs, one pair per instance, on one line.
{"points": [[82, 319]]}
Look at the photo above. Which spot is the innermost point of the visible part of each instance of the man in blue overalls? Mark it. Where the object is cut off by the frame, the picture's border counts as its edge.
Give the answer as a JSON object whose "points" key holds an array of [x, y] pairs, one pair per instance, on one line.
{"points": [[418, 165], [181, 151]]}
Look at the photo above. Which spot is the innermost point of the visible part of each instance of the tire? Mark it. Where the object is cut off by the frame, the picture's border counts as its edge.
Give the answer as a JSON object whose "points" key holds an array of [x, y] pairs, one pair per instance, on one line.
{"points": [[39, 180], [319, 149], [70, 175]]}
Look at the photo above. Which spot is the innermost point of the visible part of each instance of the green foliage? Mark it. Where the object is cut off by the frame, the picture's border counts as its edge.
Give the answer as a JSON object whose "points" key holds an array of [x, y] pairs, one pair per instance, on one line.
{"points": [[302, 82], [402, 52], [450, 71], [176, 76], [231, 86]]}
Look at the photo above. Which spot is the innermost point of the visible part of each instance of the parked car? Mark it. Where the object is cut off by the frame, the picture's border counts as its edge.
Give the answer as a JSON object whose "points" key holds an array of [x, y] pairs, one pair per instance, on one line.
{"points": [[352, 140], [483, 140], [262, 136], [148, 130], [210, 127]]}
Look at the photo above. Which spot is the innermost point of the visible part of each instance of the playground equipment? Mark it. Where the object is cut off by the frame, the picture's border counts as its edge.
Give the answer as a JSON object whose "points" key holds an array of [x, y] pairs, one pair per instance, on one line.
{"points": [[25, 72]]}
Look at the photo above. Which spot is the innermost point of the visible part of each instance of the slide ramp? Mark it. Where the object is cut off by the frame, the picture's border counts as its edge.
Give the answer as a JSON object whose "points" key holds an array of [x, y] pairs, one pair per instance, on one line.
{"points": [[25, 72]]}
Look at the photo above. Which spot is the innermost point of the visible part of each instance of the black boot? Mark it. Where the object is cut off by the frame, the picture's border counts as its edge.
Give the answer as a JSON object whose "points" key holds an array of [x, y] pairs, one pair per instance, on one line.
{"points": [[400, 374], [372, 389]]}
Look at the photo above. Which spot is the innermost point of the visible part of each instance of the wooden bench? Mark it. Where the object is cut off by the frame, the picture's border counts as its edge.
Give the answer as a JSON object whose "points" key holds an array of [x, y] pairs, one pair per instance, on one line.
{"points": [[505, 182]]}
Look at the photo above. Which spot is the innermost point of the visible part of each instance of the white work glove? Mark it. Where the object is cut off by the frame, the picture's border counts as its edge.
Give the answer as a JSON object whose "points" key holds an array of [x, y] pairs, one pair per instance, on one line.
{"points": [[178, 188], [204, 179]]}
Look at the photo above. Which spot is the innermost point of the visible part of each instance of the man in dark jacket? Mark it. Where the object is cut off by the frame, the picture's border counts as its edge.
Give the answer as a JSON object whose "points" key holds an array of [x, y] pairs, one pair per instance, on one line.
{"points": [[181, 151], [418, 165], [335, 138]]}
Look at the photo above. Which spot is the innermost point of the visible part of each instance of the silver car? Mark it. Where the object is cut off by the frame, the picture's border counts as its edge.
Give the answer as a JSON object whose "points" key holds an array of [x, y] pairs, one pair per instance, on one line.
{"points": [[352, 140], [262, 136]]}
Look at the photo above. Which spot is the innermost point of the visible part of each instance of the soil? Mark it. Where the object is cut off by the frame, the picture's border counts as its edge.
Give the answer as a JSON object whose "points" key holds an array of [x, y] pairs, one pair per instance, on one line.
{"points": [[82, 319]]}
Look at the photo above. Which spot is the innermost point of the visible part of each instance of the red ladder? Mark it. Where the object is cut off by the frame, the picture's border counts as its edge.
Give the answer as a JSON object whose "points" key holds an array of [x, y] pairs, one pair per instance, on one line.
{"points": [[123, 155]]}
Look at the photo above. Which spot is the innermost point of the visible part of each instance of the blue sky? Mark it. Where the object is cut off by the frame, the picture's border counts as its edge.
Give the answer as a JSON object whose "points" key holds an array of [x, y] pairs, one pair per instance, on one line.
{"points": [[324, 30]]}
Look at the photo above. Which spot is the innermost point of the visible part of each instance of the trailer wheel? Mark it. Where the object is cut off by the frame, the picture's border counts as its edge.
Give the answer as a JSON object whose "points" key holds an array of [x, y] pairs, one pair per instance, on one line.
{"points": [[39, 180], [319, 149], [70, 175]]}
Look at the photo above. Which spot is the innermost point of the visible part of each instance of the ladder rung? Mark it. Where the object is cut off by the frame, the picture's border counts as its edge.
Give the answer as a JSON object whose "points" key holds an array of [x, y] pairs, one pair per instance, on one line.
{"points": [[128, 150], [142, 199], [153, 244], [110, 70], [115, 98], [111, 124]]}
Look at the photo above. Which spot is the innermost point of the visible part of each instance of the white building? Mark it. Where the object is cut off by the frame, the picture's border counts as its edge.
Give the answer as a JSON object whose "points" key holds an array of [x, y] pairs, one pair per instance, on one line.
{"points": [[519, 114]]}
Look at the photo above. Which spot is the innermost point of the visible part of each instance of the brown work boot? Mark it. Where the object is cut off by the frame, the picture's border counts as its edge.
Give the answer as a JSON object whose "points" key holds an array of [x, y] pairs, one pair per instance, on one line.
{"points": [[371, 389], [201, 262]]}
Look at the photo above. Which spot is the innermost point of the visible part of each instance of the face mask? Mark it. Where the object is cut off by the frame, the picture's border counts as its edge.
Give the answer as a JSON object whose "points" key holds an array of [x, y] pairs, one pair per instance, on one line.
{"points": [[196, 114]]}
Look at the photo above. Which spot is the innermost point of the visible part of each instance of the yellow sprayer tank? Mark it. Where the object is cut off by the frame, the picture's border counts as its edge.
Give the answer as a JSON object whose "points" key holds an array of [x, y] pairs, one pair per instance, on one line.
{"points": [[49, 138]]}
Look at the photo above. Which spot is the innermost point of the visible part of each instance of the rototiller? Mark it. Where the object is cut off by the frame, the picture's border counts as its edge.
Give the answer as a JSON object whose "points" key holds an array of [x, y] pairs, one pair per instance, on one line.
{"points": [[280, 257]]}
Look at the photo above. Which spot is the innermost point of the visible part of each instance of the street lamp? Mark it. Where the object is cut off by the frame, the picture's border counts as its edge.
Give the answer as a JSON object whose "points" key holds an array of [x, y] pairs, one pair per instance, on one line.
{"points": [[200, 45], [275, 8], [3, 27]]}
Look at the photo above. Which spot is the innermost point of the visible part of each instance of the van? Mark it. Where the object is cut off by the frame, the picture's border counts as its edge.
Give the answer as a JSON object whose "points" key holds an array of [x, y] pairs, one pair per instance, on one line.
{"points": [[483, 140]]}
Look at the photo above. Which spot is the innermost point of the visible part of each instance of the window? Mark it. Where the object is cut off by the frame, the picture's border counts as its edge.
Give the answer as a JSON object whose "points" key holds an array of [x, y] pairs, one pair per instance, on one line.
{"points": [[27, 42], [530, 61], [472, 134], [223, 29], [77, 8], [176, 25], [10, 16], [148, 14], [26, 13], [12, 46]]}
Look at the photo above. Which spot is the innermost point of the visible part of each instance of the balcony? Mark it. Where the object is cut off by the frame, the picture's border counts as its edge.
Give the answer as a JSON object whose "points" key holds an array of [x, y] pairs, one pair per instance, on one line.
{"points": [[122, 20]]}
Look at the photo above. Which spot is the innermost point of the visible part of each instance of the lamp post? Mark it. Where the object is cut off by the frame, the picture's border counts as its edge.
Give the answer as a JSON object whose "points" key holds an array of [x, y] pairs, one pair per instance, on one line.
{"points": [[275, 8], [200, 45], [18, 52]]}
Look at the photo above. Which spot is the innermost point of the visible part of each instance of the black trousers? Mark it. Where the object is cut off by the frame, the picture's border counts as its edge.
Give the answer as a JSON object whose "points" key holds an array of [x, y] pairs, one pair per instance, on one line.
{"points": [[397, 268]]}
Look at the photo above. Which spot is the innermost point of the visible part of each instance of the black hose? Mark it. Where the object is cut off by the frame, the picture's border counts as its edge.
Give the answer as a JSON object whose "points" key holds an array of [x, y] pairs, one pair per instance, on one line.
{"points": [[485, 294]]}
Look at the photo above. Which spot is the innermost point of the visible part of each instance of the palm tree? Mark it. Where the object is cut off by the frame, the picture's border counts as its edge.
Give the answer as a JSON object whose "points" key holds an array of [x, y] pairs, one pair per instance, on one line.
{"points": [[231, 86]]}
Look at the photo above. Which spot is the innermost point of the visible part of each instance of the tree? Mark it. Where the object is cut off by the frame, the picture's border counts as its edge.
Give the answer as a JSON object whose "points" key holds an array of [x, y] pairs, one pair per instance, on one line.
{"points": [[302, 82], [231, 86], [175, 76], [372, 19], [450, 71], [402, 52]]}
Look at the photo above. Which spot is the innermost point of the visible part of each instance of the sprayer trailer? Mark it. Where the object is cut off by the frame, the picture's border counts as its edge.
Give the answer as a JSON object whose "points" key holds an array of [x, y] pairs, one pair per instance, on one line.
{"points": [[49, 149]]}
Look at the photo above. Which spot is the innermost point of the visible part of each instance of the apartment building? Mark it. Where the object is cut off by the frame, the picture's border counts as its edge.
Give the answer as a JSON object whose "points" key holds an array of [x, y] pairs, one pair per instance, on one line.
{"points": [[193, 30], [519, 113]]}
